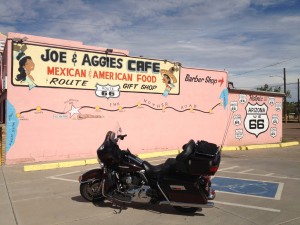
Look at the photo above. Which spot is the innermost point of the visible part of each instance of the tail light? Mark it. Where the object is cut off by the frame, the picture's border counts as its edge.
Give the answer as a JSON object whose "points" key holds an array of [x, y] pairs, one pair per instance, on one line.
{"points": [[214, 169]]}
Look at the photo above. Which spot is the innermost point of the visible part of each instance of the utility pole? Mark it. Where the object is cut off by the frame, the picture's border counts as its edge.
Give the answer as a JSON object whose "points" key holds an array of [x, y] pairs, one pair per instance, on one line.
{"points": [[298, 111], [285, 103]]}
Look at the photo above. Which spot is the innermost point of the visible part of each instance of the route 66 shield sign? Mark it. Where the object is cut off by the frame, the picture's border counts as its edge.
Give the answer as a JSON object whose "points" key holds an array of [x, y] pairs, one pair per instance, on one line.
{"points": [[107, 91], [234, 106], [243, 98], [237, 120], [273, 132], [256, 120]]}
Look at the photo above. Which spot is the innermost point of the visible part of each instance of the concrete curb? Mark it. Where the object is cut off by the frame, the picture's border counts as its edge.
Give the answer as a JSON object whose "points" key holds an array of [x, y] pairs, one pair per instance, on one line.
{"points": [[250, 147], [288, 144], [48, 166], [158, 154]]}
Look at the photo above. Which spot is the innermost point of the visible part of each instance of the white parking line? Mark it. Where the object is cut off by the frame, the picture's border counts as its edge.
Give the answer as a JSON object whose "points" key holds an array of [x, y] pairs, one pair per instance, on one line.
{"points": [[248, 206], [263, 175], [63, 174], [288, 221], [64, 179], [228, 168], [245, 171], [269, 174], [278, 195], [279, 191], [58, 177]]}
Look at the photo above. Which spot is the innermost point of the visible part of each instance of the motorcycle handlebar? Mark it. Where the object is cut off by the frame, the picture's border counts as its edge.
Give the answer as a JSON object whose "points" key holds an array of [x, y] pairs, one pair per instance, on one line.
{"points": [[122, 136]]}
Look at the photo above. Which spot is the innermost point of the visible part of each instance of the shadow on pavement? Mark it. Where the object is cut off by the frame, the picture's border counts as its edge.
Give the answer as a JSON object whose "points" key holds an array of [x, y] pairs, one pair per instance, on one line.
{"points": [[79, 199], [157, 209]]}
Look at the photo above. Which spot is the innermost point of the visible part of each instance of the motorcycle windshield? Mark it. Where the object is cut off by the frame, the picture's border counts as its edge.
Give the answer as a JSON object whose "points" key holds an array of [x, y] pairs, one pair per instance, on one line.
{"points": [[117, 129]]}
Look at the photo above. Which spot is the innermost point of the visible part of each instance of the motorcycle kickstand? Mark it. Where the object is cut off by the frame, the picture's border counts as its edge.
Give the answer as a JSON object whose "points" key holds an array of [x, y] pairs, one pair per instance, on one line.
{"points": [[120, 207]]}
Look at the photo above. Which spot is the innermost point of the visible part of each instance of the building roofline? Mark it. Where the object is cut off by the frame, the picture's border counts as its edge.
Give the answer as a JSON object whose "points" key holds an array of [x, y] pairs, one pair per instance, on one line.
{"points": [[252, 92]]}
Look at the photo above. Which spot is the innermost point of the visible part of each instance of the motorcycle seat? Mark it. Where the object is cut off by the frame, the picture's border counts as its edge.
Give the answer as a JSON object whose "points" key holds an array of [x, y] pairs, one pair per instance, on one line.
{"points": [[187, 151], [152, 169]]}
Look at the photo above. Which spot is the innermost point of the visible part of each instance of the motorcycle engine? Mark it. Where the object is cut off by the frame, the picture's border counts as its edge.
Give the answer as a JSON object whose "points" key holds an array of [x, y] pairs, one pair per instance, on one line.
{"points": [[139, 194], [135, 188], [131, 180]]}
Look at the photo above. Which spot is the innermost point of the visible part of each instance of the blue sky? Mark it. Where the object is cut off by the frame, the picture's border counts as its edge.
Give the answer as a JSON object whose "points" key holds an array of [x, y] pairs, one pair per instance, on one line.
{"points": [[251, 39]]}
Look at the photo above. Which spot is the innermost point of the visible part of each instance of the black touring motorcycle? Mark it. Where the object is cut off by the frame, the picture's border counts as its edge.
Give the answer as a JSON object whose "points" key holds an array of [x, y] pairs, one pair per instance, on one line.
{"points": [[182, 182]]}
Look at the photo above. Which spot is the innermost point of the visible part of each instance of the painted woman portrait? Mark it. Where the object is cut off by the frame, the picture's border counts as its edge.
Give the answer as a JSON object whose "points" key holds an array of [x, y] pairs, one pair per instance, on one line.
{"points": [[168, 80], [26, 65]]}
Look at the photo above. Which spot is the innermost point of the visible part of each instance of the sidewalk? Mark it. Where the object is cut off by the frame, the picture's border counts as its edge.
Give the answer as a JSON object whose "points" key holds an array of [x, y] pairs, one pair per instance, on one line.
{"points": [[7, 215]]}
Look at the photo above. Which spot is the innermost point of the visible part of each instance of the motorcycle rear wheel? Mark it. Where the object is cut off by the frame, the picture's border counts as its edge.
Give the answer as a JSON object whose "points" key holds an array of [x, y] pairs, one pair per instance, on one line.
{"points": [[92, 191], [186, 209]]}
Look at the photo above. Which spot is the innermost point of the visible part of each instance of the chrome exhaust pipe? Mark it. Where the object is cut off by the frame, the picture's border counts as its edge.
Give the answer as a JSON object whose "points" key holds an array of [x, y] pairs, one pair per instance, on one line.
{"points": [[183, 204]]}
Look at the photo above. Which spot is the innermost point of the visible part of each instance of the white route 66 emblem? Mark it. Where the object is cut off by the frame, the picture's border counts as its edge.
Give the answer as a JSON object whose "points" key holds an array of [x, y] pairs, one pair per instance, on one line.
{"points": [[234, 106], [275, 119], [271, 100], [237, 120], [273, 132], [108, 91], [243, 98]]}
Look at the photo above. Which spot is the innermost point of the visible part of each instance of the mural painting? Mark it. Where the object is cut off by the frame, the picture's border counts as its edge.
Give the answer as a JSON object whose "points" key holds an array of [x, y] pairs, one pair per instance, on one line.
{"points": [[69, 98], [254, 117]]}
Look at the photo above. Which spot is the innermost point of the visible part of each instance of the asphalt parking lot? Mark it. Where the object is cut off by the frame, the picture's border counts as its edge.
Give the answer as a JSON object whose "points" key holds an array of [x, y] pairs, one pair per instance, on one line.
{"points": [[253, 187]]}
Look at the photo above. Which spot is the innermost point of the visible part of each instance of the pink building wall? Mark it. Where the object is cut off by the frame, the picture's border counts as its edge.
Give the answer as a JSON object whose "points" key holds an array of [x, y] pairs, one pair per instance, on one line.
{"points": [[54, 123], [254, 118], [50, 119]]}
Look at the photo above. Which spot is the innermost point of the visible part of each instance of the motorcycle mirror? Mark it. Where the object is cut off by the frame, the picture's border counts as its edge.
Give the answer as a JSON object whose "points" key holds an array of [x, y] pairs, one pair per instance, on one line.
{"points": [[122, 136]]}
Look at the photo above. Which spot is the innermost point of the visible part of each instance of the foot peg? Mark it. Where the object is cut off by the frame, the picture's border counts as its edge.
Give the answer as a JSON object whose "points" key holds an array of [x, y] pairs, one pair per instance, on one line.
{"points": [[211, 195], [121, 197]]}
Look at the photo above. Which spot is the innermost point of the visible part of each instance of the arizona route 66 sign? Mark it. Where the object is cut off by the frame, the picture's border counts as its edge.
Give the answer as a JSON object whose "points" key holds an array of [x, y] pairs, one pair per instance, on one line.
{"points": [[256, 120]]}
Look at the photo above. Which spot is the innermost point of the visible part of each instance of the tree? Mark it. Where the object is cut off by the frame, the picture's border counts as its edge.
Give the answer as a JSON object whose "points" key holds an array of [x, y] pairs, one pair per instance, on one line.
{"points": [[266, 87], [291, 107]]}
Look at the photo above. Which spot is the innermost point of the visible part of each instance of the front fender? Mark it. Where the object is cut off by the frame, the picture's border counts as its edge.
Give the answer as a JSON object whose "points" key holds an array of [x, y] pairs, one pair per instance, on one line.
{"points": [[91, 176]]}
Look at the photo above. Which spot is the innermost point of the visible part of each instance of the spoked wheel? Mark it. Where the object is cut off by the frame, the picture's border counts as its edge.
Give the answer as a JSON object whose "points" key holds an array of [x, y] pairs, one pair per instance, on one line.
{"points": [[92, 191], [186, 209]]}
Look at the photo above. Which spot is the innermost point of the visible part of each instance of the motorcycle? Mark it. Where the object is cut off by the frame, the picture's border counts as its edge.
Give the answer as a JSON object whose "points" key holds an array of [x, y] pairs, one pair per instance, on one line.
{"points": [[182, 182]]}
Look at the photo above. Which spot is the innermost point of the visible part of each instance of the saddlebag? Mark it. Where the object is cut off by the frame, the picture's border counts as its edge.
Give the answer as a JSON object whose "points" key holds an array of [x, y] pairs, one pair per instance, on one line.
{"points": [[201, 158], [181, 188]]}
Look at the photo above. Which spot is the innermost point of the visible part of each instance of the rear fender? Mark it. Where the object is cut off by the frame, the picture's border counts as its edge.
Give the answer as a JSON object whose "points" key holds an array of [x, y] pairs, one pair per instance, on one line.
{"points": [[91, 176]]}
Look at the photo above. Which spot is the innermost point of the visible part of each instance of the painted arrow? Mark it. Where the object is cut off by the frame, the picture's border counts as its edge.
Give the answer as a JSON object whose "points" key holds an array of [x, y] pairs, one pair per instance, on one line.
{"points": [[221, 81]]}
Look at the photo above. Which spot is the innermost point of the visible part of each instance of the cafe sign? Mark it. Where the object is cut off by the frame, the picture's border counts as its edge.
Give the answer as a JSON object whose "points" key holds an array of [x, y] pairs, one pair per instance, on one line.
{"points": [[51, 67]]}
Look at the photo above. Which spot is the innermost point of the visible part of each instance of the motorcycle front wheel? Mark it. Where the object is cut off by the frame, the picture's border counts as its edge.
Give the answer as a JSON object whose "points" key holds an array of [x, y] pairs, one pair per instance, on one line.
{"points": [[186, 209], [92, 191]]}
